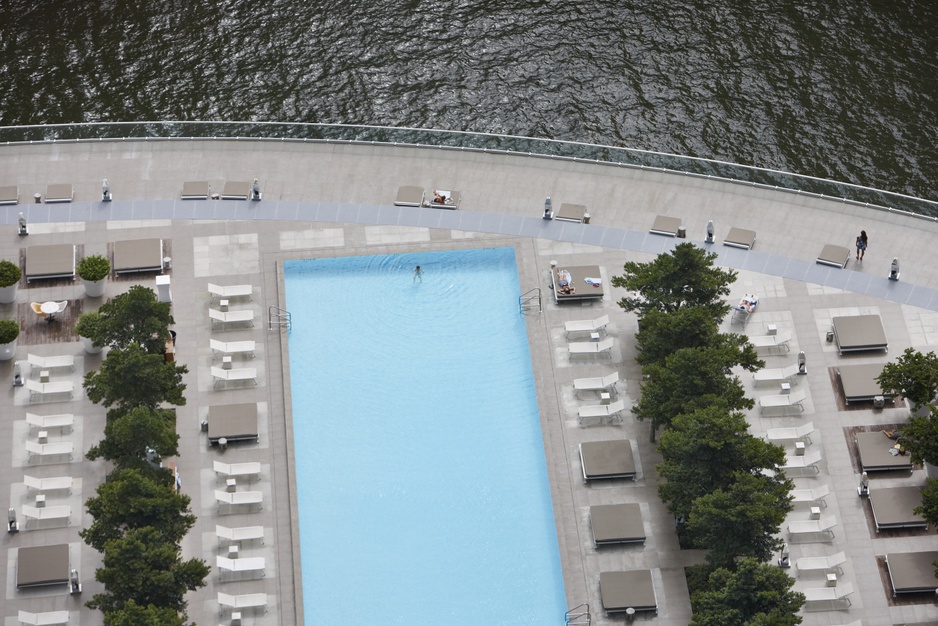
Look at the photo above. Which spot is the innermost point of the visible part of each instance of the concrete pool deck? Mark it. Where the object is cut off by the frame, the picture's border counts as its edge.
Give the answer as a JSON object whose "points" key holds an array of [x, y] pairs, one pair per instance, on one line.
{"points": [[330, 200]]}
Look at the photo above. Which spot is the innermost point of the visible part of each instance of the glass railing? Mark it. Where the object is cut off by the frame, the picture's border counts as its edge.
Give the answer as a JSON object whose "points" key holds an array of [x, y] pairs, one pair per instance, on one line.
{"points": [[717, 170]]}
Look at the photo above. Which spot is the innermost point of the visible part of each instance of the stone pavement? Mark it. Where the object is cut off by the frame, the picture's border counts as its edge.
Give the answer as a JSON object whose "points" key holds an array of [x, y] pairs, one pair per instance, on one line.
{"points": [[336, 199]]}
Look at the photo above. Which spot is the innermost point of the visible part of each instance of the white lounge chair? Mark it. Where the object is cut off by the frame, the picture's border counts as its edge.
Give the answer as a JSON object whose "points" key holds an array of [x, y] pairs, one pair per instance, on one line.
{"points": [[231, 291], [830, 563], [244, 533], [37, 388], [50, 362], [47, 513], [601, 410], [57, 483], [783, 401], [243, 601], [777, 374], [235, 498], [228, 317], [813, 527], [237, 469], [769, 342], [809, 459], [241, 564], [794, 433], [591, 347], [46, 422], [59, 448], [813, 496], [233, 347], [829, 594], [587, 326], [49, 618], [242, 373], [603, 383]]}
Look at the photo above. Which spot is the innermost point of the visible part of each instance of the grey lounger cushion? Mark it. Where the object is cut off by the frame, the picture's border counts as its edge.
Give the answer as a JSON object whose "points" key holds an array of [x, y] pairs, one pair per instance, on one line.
{"points": [[621, 591], [52, 261], [893, 507], [452, 199], [607, 459], [409, 196], [233, 422], [665, 225], [59, 193], [855, 333], [859, 381], [195, 190], [9, 194], [138, 255], [874, 448], [583, 289], [835, 256], [740, 238], [236, 190], [570, 212], [42, 565], [912, 572], [617, 523]]}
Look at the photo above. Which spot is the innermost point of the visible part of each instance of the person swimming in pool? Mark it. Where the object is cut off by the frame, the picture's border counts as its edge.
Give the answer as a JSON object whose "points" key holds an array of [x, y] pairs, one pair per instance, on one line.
{"points": [[418, 274]]}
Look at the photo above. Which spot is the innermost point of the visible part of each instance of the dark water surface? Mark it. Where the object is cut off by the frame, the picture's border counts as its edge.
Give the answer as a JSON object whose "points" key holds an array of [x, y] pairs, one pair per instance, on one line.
{"points": [[846, 90]]}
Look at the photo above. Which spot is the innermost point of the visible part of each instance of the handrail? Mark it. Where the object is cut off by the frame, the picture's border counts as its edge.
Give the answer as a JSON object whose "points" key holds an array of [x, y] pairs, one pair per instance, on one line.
{"points": [[577, 615], [482, 142], [530, 299], [279, 317]]}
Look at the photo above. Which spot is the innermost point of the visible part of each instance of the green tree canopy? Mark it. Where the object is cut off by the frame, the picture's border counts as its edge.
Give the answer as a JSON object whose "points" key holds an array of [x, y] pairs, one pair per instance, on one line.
{"points": [[662, 334], [130, 377], [755, 594], [929, 507], [689, 379], [141, 566], [134, 317], [920, 437], [132, 614], [128, 437], [704, 450], [913, 375], [684, 277], [740, 520], [137, 498]]}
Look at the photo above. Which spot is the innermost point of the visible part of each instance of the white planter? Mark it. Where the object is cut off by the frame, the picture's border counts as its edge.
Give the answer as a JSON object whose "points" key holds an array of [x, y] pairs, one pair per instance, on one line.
{"points": [[95, 288], [7, 350], [90, 348], [8, 294], [931, 471]]}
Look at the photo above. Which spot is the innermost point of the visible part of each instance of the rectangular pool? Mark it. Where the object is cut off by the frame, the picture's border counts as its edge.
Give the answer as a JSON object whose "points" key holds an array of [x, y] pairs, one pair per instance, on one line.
{"points": [[421, 479]]}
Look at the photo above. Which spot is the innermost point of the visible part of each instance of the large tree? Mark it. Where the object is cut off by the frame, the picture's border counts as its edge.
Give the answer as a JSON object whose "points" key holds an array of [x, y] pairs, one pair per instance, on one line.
{"points": [[913, 375], [132, 614], [683, 277], [137, 498], [704, 450], [661, 334], [741, 519], [754, 594], [129, 437], [131, 377], [134, 317]]}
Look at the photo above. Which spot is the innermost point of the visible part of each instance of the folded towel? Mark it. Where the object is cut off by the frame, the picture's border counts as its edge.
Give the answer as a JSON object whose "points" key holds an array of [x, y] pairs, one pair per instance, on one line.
{"points": [[595, 282]]}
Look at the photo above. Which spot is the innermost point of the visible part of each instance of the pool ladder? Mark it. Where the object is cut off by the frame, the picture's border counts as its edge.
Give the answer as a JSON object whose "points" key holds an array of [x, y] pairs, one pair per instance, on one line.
{"points": [[530, 301], [578, 616], [280, 318]]}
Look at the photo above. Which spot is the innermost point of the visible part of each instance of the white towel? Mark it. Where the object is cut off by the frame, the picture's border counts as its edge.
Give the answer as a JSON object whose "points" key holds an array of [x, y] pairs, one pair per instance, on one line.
{"points": [[594, 281]]}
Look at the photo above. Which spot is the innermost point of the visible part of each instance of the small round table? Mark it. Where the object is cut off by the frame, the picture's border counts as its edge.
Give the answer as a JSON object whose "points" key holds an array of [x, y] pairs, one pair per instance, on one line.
{"points": [[50, 309]]}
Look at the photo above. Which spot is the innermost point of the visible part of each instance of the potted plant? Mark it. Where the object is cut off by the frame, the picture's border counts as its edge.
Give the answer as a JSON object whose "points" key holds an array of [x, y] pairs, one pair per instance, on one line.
{"points": [[89, 327], [9, 331], [10, 275], [915, 376], [920, 438], [94, 270]]}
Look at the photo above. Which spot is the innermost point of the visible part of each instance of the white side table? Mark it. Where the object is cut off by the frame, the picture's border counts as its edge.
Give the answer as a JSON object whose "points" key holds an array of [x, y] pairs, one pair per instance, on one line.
{"points": [[231, 484], [605, 397], [594, 336], [40, 501], [43, 436]]}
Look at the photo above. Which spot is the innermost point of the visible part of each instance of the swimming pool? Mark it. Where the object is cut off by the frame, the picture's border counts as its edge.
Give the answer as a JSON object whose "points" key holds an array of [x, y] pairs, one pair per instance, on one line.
{"points": [[421, 479]]}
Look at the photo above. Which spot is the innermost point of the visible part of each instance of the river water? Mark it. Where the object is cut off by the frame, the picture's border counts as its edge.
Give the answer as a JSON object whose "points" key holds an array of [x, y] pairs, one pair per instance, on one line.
{"points": [[839, 89]]}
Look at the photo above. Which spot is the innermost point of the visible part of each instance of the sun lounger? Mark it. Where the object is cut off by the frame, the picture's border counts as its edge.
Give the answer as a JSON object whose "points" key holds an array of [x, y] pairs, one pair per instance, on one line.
{"points": [[57, 483], [794, 433], [37, 388], [243, 601], [783, 401], [740, 238], [47, 513], [409, 196], [242, 373], [603, 383], [241, 564], [875, 451], [746, 307], [627, 592], [822, 563], [49, 618], [46, 422], [813, 526], [859, 382], [777, 374], [233, 347], [231, 291], [587, 326], [228, 317], [195, 190], [138, 255], [232, 422], [61, 192], [237, 469], [9, 194], [616, 524], [450, 199], [813, 496], [829, 594], [771, 342], [51, 362], [835, 256], [808, 460], [607, 460], [592, 347], [585, 283], [50, 261], [856, 333], [570, 213], [236, 190], [601, 410], [667, 226], [244, 533], [60, 448], [912, 572], [234, 498]]}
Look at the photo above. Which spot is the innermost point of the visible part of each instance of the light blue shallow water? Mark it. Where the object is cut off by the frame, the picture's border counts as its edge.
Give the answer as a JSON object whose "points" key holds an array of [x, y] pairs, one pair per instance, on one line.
{"points": [[421, 479]]}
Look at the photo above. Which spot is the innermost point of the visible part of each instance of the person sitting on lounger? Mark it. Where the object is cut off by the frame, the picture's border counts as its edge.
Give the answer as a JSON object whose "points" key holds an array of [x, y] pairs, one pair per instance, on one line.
{"points": [[563, 278], [438, 198], [895, 435]]}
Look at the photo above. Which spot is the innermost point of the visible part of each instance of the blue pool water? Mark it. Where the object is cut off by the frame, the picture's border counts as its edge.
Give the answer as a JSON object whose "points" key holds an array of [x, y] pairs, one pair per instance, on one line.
{"points": [[421, 479]]}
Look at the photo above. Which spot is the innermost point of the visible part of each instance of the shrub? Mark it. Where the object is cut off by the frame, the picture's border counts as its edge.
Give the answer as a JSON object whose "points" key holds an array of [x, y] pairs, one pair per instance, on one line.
{"points": [[9, 331], [89, 325], [10, 273], [94, 268]]}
